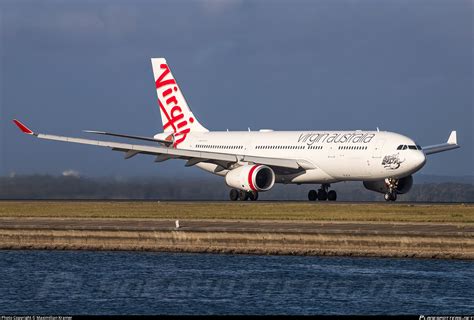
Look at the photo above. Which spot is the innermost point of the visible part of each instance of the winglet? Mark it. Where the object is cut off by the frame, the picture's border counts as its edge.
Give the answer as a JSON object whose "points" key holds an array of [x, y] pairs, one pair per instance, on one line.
{"points": [[22, 127], [453, 138]]}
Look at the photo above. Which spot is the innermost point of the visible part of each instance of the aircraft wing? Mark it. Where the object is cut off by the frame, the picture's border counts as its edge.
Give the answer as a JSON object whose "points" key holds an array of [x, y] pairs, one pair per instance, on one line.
{"points": [[163, 153], [165, 142], [452, 143]]}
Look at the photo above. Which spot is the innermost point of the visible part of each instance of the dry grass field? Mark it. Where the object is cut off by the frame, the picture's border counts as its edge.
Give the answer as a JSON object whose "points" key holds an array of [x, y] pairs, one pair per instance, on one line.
{"points": [[380, 212]]}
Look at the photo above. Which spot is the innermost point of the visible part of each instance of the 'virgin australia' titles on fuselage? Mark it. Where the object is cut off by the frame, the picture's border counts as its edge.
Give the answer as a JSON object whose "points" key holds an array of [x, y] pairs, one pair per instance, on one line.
{"points": [[335, 137]]}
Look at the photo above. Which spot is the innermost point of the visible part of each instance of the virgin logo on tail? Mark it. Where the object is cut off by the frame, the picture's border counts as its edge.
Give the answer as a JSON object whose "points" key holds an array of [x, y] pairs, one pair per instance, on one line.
{"points": [[175, 118]]}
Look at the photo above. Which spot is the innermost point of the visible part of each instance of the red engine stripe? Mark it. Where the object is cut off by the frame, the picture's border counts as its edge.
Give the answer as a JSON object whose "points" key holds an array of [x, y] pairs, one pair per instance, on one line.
{"points": [[252, 187]]}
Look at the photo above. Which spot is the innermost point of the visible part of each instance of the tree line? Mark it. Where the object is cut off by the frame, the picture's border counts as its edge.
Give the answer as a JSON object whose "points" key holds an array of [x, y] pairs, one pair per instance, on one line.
{"points": [[159, 188]]}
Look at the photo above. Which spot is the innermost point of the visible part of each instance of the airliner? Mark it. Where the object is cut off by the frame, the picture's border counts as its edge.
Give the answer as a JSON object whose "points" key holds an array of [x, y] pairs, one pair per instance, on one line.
{"points": [[254, 161]]}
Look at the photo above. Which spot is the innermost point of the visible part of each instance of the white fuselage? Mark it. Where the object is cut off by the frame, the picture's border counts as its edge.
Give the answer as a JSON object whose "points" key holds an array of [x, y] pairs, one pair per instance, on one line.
{"points": [[333, 155]]}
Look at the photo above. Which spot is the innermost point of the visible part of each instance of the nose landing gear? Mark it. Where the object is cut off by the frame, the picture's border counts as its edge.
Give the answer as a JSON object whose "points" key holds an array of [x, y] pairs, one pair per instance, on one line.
{"points": [[390, 196], [322, 194], [392, 185]]}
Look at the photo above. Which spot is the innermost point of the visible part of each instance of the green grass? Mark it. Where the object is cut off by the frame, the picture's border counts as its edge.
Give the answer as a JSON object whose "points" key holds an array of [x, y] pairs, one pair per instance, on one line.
{"points": [[458, 213]]}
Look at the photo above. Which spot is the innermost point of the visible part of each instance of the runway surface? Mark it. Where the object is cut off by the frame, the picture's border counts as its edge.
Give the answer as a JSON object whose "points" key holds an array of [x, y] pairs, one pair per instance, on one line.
{"points": [[204, 201], [306, 227]]}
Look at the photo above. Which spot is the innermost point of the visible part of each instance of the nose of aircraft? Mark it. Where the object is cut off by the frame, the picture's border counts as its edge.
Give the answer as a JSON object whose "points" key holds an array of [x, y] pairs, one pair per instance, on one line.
{"points": [[418, 160]]}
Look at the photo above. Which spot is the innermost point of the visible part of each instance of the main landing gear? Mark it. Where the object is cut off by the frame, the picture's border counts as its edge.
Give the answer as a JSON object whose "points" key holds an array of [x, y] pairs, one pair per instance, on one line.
{"points": [[392, 185], [241, 195], [322, 194]]}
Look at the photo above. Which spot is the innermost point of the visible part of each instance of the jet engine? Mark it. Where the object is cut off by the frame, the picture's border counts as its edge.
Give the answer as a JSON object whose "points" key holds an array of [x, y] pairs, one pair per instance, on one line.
{"points": [[251, 178], [402, 185]]}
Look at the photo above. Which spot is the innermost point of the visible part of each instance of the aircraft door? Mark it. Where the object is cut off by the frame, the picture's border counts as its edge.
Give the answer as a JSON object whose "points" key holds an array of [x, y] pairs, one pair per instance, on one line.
{"points": [[377, 152], [332, 151]]}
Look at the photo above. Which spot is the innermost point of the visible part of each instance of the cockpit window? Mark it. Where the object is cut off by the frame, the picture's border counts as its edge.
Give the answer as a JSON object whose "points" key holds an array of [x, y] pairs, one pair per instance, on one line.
{"points": [[411, 147]]}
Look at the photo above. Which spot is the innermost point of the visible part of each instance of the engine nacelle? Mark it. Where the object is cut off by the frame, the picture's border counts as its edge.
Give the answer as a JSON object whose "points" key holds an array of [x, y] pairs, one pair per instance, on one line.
{"points": [[403, 185], [251, 178]]}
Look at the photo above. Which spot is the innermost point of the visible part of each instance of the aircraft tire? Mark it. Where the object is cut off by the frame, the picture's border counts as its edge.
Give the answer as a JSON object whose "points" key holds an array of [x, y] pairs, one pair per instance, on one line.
{"points": [[322, 195], [233, 194], [332, 195], [243, 195], [253, 195], [390, 196], [312, 195]]}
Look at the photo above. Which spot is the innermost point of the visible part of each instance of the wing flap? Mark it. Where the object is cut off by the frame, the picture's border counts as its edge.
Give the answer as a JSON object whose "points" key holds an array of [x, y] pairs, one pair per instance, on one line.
{"points": [[286, 163], [142, 148], [165, 142]]}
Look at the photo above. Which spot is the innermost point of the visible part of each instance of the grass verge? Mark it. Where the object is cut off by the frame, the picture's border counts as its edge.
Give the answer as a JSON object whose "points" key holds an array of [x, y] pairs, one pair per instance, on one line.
{"points": [[383, 212]]}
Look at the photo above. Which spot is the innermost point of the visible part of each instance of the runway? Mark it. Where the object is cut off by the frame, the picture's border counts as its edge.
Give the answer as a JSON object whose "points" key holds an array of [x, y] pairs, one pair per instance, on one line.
{"points": [[302, 227], [206, 201]]}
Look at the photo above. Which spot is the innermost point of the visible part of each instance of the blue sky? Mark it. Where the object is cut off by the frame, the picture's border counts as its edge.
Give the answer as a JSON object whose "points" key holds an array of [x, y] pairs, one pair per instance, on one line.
{"points": [[404, 66]]}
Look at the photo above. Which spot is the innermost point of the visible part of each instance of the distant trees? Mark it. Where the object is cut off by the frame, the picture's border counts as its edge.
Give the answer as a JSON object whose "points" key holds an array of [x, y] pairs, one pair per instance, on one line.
{"points": [[71, 187]]}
